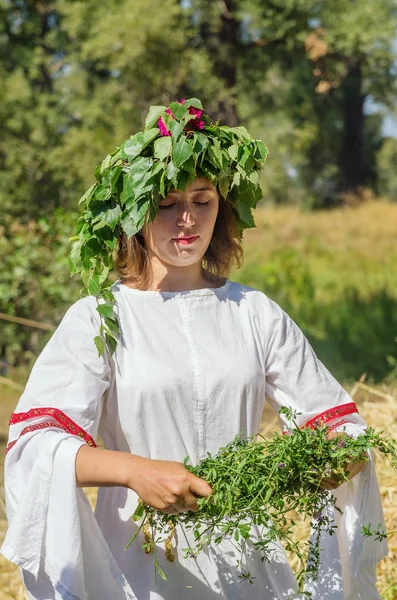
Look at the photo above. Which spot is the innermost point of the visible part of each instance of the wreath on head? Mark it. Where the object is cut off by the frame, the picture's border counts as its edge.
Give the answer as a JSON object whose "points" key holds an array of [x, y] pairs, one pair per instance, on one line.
{"points": [[178, 143]]}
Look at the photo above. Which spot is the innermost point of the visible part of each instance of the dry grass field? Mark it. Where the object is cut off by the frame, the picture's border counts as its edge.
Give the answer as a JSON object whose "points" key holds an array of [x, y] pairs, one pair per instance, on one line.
{"points": [[344, 246]]}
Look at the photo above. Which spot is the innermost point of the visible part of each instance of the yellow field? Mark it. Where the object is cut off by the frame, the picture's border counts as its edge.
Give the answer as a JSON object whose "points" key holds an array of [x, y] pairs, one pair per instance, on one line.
{"points": [[345, 245]]}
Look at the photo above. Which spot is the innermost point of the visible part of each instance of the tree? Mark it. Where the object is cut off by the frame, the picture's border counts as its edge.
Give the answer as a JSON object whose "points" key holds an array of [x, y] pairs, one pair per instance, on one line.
{"points": [[332, 65]]}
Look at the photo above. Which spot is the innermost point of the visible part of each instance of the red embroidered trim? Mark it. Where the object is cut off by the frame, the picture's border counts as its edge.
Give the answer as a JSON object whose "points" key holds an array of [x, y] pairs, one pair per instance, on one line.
{"points": [[337, 424], [330, 415], [63, 422], [43, 425]]}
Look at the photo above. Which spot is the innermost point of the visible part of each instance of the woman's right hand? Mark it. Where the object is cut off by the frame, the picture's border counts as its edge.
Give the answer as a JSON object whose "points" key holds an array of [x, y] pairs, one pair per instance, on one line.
{"points": [[166, 485]]}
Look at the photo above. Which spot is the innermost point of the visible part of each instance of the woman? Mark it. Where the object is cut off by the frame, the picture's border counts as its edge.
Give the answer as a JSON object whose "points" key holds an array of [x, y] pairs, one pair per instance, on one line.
{"points": [[195, 356]]}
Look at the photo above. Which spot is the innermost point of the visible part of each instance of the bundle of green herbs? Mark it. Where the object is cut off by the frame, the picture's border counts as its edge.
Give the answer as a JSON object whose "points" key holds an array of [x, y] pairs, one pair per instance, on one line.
{"points": [[267, 482]]}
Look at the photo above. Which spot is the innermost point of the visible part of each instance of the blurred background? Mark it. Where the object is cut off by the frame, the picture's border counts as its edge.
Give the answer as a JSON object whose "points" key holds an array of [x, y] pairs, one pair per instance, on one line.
{"points": [[315, 80]]}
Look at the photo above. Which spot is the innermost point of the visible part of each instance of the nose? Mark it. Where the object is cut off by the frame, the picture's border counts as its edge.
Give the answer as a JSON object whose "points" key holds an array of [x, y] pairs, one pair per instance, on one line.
{"points": [[185, 215]]}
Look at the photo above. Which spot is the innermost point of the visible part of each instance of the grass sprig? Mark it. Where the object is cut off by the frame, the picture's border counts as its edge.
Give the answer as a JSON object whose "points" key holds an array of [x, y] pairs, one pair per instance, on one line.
{"points": [[262, 482]]}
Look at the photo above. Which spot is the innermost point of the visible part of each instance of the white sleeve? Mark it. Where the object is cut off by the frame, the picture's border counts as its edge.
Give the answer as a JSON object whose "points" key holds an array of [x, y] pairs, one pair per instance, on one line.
{"points": [[50, 520], [297, 379]]}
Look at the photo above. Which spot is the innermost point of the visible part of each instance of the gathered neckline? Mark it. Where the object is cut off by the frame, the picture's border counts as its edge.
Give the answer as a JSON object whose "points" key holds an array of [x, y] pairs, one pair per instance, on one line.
{"points": [[166, 294]]}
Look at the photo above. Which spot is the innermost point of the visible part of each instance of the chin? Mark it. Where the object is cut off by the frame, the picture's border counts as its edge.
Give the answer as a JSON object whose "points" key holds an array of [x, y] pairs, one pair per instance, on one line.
{"points": [[179, 261]]}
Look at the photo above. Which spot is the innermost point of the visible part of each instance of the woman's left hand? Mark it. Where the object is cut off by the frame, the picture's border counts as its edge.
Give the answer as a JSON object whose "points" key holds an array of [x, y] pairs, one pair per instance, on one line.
{"points": [[333, 481]]}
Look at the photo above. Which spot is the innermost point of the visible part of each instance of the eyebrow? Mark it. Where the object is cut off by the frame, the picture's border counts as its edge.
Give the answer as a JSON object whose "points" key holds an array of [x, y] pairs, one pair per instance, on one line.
{"points": [[202, 189]]}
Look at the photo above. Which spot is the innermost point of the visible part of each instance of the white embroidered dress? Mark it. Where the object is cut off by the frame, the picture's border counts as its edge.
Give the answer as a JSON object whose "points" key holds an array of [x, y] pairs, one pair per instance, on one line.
{"points": [[191, 371]]}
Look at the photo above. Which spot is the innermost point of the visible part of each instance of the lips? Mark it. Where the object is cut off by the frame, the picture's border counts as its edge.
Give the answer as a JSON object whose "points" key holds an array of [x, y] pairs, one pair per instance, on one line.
{"points": [[186, 240]]}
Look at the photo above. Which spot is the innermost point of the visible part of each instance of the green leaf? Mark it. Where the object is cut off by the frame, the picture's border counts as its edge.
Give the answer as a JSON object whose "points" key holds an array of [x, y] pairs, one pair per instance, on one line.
{"points": [[88, 194], [178, 110], [100, 346], [193, 102], [176, 128], [89, 250], [149, 135], [262, 150], [105, 163], [244, 212], [139, 173], [190, 166], [254, 177], [111, 343], [181, 151], [236, 179], [172, 172], [215, 154], [134, 146], [153, 115], [93, 285], [224, 185], [116, 172], [111, 216], [245, 156], [138, 513], [158, 166], [105, 270], [162, 186], [162, 147], [159, 570], [133, 219], [200, 142], [241, 132], [106, 310], [102, 193], [233, 151]]}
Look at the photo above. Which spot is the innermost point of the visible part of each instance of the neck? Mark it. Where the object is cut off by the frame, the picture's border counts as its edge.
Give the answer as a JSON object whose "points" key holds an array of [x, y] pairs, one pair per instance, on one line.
{"points": [[177, 279]]}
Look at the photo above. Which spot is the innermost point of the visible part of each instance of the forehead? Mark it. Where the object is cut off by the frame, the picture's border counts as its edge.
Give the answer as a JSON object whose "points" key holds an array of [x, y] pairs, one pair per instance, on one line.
{"points": [[198, 184]]}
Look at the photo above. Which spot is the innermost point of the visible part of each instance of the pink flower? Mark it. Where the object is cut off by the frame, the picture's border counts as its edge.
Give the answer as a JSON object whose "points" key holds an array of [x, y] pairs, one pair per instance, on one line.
{"points": [[163, 130], [195, 111], [195, 123]]}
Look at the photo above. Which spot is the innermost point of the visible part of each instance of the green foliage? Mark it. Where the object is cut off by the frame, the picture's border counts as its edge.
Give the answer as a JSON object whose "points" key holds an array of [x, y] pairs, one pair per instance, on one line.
{"points": [[35, 281], [285, 277], [320, 71], [355, 334], [259, 483], [350, 332], [387, 169], [78, 77]]}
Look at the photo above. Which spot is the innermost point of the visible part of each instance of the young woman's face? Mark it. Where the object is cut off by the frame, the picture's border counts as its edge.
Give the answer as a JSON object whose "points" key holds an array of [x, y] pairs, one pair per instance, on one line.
{"points": [[184, 214]]}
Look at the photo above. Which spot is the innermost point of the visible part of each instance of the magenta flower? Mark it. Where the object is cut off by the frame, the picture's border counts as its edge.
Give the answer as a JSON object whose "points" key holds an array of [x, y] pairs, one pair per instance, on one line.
{"points": [[163, 129], [195, 123], [195, 111]]}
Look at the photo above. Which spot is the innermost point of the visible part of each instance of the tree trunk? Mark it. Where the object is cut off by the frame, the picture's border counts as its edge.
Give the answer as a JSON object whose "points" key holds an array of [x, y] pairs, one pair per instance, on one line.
{"points": [[226, 62], [219, 30], [352, 172]]}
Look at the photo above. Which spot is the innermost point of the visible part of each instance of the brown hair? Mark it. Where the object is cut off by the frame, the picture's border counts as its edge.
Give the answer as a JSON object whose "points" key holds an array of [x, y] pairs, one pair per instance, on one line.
{"points": [[224, 251]]}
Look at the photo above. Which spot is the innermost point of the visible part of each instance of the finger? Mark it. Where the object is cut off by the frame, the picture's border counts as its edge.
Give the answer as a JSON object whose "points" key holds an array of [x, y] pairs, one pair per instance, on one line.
{"points": [[330, 484], [200, 487], [180, 507], [190, 501], [170, 511]]}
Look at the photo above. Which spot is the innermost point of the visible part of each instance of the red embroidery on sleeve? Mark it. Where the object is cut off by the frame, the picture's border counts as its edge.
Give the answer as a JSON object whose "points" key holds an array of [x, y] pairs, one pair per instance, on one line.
{"points": [[337, 424], [60, 420], [330, 415]]}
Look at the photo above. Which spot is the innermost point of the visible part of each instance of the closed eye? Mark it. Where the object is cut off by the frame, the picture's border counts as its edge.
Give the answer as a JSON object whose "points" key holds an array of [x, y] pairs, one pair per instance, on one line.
{"points": [[169, 205]]}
